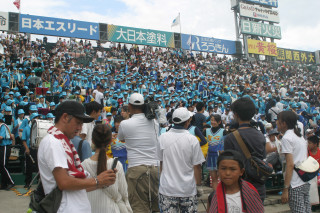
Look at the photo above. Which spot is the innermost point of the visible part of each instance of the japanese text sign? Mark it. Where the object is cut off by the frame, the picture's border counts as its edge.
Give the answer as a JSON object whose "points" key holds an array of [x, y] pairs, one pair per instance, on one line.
{"points": [[271, 3], [206, 44], [58, 27], [4, 21], [260, 29], [258, 12], [296, 56], [262, 47], [140, 36]]}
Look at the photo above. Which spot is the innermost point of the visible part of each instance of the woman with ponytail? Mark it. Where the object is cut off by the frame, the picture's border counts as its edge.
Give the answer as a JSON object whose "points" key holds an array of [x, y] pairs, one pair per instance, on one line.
{"points": [[113, 199], [294, 147]]}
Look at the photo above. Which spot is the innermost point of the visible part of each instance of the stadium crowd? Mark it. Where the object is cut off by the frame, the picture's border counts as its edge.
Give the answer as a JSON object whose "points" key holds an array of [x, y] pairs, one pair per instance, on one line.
{"points": [[200, 92]]}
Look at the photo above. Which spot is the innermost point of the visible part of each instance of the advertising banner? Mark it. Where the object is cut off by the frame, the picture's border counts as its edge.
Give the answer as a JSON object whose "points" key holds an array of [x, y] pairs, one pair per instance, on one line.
{"points": [[260, 29], [140, 36], [289, 55], [4, 21], [258, 12], [206, 44], [58, 27], [271, 3], [262, 47]]}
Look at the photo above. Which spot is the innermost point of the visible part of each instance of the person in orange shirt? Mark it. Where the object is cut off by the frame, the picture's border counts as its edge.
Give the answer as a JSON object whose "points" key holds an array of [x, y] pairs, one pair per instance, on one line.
{"points": [[313, 147]]}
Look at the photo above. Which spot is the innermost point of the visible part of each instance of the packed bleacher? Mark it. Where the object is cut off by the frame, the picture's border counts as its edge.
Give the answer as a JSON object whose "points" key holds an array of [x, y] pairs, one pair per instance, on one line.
{"points": [[37, 77]]}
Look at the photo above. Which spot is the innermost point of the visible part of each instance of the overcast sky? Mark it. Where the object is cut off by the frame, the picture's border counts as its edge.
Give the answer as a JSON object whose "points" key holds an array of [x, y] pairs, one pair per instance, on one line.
{"points": [[212, 18]]}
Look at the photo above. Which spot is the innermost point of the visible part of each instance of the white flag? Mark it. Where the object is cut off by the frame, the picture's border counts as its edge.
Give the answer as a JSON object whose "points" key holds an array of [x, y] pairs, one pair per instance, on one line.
{"points": [[176, 21]]}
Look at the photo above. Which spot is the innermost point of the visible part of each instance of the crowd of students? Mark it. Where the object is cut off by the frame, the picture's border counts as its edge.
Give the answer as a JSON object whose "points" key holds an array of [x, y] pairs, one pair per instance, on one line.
{"points": [[36, 78]]}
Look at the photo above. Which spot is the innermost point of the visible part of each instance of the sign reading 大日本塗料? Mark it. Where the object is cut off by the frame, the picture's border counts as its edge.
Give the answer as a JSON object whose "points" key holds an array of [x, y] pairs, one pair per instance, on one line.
{"points": [[260, 29], [140, 36]]}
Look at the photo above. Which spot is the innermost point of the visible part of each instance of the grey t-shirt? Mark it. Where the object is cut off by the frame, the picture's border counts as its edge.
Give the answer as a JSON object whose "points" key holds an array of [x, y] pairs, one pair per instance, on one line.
{"points": [[256, 144]]}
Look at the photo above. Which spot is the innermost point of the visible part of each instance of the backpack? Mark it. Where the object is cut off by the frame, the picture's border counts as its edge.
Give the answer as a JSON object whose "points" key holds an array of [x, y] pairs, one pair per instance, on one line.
{"points": [[256, 169], [42, 203]]}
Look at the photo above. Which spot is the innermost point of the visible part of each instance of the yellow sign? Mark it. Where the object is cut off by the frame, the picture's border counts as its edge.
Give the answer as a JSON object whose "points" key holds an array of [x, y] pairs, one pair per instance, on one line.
{"points": [[262, 47]]}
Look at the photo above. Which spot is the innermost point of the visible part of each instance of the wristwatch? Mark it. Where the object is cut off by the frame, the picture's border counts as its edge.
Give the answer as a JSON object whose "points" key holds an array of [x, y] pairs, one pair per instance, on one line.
{"points": [[286, 187]]}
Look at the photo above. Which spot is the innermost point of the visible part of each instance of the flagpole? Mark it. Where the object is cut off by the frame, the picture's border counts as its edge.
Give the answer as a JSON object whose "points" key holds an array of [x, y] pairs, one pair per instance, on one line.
{"points": [[180, 23]]}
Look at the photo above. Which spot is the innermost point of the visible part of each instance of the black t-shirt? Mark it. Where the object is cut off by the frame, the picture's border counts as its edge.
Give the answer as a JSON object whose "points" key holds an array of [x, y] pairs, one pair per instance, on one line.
{"points": [[256, 143], [199, 119]]}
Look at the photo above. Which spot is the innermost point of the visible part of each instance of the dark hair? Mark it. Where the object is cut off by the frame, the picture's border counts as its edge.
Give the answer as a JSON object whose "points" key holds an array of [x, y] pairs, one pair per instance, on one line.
{"points": [[93, 107], [231, 155], [101, 137], [290, 118], [113, 109], [272, 103], [181, 124], [199, 106], [244, 108], [217, 118], [138, 107], [57, 117], [314, 139], [125, 108], [118, 119]]}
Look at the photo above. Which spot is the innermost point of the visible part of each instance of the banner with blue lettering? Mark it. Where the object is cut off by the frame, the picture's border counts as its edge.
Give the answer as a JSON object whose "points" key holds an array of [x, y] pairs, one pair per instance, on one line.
{"points": [[271, 3], [206, 44], [58, 27]]}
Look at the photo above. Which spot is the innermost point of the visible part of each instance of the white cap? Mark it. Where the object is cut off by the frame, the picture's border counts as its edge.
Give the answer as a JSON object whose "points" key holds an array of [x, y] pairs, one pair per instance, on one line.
{"points": [[136, 99], [181, 115]]}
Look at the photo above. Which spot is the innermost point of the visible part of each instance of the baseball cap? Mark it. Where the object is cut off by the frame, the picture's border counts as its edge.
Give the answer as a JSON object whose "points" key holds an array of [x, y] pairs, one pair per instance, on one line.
{"points": [[181, 115], [50, 115], [231, 155], [34, 115], [33, 108], [20, 111], [273, 132], [136, 99], [7, 109], [75, 109]]}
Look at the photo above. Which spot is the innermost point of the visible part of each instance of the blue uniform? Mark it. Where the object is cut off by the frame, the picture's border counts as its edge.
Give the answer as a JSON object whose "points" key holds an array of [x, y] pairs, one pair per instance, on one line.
{"points": [[119, 150], [215, 141]]}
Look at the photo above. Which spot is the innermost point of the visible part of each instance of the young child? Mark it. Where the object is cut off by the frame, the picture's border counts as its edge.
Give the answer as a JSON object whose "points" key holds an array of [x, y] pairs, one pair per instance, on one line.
{"points": [[233, 194], [313, 147], [214, 136], [118, 147]]}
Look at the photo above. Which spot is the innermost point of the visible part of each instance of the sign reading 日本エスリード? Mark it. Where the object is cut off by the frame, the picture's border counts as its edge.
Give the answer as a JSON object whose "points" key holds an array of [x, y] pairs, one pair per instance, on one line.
{"points": [[260, 29], [58, 27], [206, 44], [271, 3], [140, 36]]}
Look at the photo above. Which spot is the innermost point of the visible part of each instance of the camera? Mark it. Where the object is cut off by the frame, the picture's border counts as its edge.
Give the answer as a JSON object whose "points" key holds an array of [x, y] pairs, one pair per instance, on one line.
{"points": [[151, 108]]}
